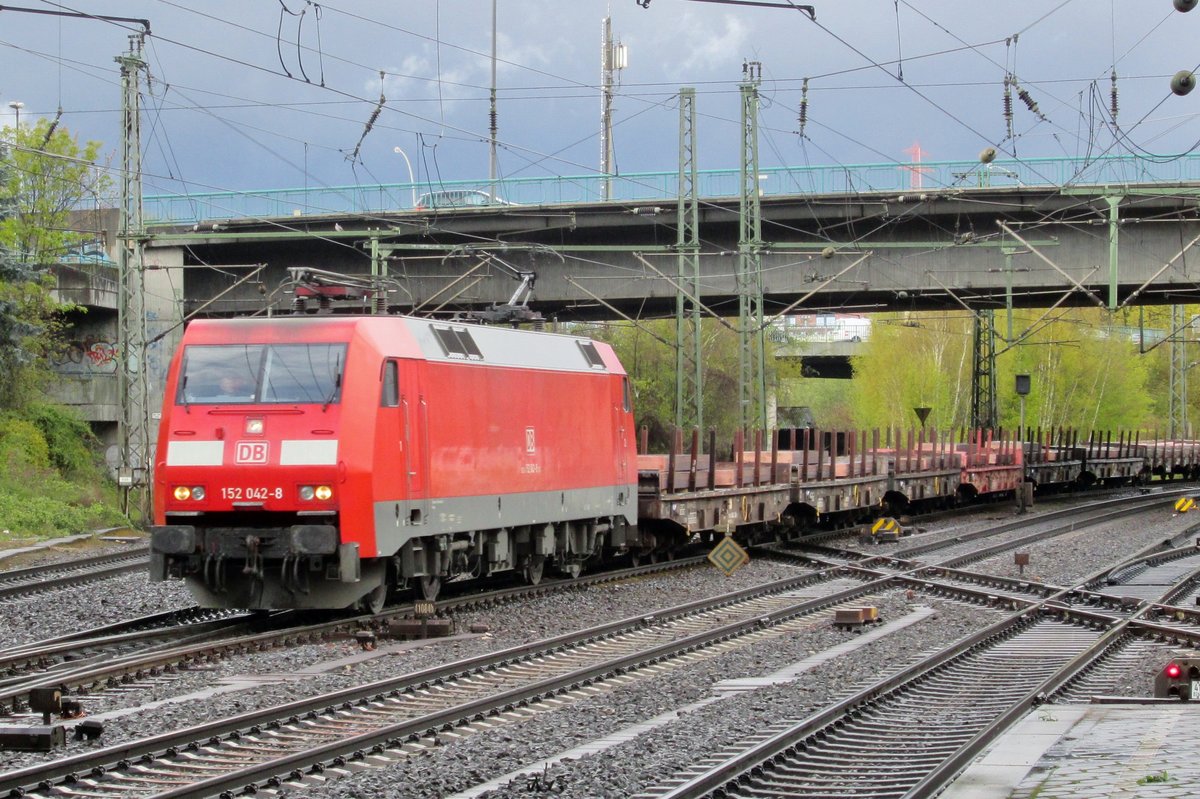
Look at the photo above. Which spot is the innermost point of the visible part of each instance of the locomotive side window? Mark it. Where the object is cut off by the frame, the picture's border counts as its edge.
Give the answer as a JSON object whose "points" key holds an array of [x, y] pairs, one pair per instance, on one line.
{"points": [[593, 357], [261, 373], [391, 385], [457, 343]]}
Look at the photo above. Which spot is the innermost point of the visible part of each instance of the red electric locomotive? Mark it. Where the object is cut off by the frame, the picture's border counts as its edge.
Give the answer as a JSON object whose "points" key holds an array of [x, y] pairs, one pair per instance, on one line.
{"points": [[319, 461]]}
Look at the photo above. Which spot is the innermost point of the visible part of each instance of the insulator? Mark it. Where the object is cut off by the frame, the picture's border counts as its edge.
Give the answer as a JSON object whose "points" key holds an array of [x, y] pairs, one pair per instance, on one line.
{"points": [[1030, 103], [325, 306], [1008, 107], [381, 302], [1183, 82], [1112, 96], [803, 106]]}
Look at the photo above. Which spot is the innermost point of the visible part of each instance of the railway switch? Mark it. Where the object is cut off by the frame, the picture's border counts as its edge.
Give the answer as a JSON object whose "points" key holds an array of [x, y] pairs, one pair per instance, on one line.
{"points": [[1180, 679]]}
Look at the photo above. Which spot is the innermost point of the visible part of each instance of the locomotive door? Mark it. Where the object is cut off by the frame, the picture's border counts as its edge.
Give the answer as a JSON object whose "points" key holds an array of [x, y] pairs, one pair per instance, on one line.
{"points": [[415, 445], [621, 443]]}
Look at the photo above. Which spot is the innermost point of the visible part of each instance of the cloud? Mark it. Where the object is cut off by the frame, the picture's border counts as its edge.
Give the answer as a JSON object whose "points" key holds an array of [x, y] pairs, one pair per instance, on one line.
{"points": [[709, 44]]}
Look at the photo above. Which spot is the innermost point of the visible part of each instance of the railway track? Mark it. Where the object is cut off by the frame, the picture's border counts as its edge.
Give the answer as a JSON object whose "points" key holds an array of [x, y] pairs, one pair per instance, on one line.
{"points": [[16, 583], [55, 658], [268, 745], [338, 718], [885, 740], [70, 663], [912, 732]]}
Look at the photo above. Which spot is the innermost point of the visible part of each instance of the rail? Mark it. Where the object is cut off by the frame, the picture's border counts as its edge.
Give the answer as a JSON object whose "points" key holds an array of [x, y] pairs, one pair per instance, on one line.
{"points": [[509, 194]]}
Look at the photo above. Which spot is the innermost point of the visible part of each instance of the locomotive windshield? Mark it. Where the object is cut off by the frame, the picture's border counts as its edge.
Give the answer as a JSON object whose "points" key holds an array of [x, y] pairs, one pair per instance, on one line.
{"points": [[262, 373]]}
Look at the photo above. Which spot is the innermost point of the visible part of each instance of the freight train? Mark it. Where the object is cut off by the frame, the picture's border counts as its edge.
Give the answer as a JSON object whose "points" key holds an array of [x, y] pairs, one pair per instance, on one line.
{"points": [[325, 461]]}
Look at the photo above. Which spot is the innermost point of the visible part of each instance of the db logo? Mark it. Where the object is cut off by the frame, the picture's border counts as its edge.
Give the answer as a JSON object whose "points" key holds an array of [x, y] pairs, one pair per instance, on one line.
{"points": [[251, 452]]}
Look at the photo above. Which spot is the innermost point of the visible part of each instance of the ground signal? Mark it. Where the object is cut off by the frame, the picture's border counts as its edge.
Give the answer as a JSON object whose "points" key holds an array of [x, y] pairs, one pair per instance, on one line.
{"points": [[728, 556]]}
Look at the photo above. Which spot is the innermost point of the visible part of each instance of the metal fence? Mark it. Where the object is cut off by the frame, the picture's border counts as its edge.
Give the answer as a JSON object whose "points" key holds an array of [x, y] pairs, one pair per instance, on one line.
{"points": [[662, 187]]}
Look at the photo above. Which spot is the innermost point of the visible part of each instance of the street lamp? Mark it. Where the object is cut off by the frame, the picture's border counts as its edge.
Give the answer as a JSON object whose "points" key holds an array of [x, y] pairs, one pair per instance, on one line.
{"points": [[411, 180], [16, 107]]}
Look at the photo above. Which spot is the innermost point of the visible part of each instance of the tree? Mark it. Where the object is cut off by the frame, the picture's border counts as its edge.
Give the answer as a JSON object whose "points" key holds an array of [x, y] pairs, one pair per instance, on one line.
{"points": [[44, 175], [646, 351]]}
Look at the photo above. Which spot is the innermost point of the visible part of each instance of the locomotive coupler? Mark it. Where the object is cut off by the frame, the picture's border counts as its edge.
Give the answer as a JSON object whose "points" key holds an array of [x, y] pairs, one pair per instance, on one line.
{"points": [[254, 559]]}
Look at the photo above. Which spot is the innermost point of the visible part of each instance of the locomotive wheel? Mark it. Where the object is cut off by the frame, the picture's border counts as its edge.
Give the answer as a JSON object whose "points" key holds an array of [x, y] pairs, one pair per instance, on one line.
{"points": [[635, 559], [430, 587], [533, 570], [374, 602]]}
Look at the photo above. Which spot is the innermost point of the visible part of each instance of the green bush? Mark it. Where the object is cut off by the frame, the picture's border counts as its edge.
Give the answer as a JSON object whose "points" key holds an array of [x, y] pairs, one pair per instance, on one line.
{"points": [[22, 443], [72, 443], [51, 479]]}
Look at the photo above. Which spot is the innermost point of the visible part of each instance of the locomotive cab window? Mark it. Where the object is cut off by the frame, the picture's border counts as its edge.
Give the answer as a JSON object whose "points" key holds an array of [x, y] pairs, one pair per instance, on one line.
{"points": [[391, 385], [457, 342], [261, 374]]}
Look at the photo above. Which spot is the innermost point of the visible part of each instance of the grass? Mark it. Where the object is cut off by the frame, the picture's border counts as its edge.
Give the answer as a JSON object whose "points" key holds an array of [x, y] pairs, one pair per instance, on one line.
{"points": [[1151, 779]]}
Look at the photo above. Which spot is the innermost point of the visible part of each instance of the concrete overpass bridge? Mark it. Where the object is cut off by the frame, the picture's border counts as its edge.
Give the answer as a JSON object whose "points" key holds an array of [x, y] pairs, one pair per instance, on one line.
{"points": [[881, 237]]}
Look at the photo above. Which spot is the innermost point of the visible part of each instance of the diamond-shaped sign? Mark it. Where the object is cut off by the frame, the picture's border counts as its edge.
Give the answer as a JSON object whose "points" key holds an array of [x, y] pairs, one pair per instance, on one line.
{"points": [[728, 556]]}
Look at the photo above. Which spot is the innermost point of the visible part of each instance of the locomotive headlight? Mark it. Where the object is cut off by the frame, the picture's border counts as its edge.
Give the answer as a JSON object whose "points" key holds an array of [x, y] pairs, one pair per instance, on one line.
{"points": [[254, 427], [323, 492], [198, 493], [306, 493], [182, 493]]}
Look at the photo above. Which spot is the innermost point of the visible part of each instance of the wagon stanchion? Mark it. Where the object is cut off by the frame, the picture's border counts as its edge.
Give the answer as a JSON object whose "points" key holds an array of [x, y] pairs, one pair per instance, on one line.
{"points": [[758, 433], [694, 463], [712, 455], [806, 438], [675, 436]]}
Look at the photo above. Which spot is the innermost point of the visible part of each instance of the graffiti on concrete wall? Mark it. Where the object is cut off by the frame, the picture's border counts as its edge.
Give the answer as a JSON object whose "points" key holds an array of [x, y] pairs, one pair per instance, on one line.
{"points": [[87, 356]]}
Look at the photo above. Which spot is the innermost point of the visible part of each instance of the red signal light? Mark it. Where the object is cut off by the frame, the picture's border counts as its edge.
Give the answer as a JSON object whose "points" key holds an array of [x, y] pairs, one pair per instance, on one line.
{"points": [[1173, 671]]}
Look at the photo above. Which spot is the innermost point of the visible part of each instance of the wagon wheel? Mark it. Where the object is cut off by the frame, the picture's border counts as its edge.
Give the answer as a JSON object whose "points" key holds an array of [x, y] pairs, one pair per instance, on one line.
{"points": [[374, 601], [430, 587], [635, 558], [533, 569]]}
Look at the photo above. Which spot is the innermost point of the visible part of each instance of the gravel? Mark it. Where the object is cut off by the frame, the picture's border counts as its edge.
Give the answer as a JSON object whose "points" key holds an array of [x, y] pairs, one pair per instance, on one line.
{"points": [[629, 767], [47, 614], [273, 674], [623, 769]]}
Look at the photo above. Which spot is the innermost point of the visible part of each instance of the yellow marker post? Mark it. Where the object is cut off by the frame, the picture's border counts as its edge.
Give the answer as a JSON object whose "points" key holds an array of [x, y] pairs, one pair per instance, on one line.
{"points": [[728, 556], [886, 529]]}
